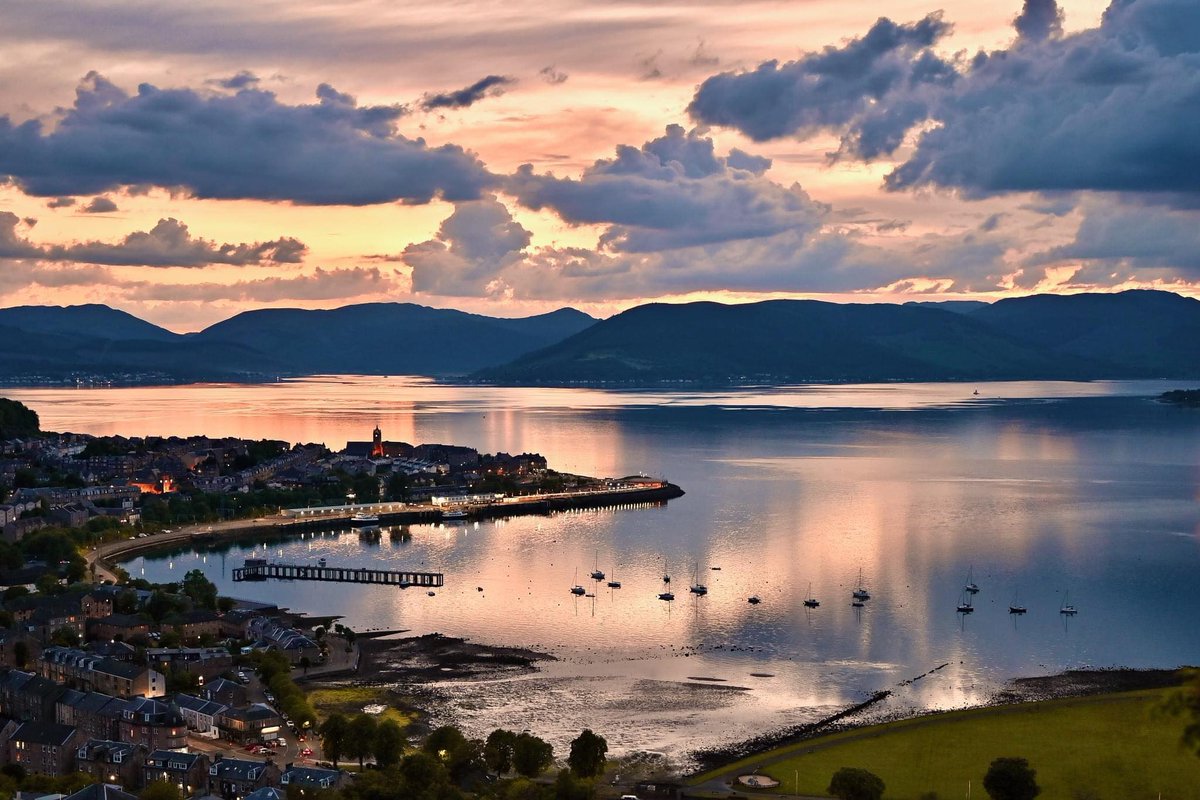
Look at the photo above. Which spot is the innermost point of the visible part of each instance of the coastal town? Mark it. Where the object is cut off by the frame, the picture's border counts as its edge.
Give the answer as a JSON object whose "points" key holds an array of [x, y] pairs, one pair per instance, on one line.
{"points": [[112, 686]]}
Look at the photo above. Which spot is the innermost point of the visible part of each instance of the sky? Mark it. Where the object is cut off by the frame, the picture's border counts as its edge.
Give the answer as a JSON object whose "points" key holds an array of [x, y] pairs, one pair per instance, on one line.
{"points": [[189, 161]]}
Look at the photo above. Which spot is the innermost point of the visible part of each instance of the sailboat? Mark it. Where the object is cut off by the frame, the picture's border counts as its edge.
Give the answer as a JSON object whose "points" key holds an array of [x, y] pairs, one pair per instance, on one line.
{"points": [[577, 589], [666, 574], [964, 603], [666, 593], [1015, 607], [597, 575], [698, 587], [753, 600], [810, 601], [970, 586], [860, 592], [614, 583], [1067, 608]]}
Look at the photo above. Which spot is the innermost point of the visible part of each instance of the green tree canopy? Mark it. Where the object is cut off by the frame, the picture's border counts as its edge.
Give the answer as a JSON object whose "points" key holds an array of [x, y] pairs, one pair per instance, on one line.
{"points": [[360, 738], [531, 755], [498, 751], [389, 743], [200, 589], [852, 783], [1011, 779], [1185, 702], [160, 790], [333, 732], [17, 419], [588, 753]]}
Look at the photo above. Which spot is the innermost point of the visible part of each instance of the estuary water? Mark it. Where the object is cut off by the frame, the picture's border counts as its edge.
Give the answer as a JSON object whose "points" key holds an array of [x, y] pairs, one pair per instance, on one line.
{"points": [[1039, 491]]}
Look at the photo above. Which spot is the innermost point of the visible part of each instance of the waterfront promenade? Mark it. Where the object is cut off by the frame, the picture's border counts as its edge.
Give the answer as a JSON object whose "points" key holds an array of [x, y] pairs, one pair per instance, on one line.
{"points": [[101, 559]]}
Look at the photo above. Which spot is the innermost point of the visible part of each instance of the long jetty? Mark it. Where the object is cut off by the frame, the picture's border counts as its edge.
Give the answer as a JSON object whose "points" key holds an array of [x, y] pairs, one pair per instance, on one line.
{"points": [[308, 572]]}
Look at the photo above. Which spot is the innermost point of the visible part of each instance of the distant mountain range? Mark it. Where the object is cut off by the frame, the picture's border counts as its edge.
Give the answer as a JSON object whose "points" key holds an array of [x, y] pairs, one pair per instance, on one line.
{"points": [[56, 343], [1134, 334]]}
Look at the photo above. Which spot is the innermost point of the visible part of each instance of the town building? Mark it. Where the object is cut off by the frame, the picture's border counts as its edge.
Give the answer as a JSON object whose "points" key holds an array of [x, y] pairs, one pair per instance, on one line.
{"points": [[234, 778], [156, 724], [252, 723], [112, 762], [44, 748], [82, 670], [187, 771]]}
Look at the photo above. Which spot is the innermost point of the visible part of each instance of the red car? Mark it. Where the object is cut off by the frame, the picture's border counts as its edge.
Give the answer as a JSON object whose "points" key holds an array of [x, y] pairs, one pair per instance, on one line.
{"points": [[306, 752]]}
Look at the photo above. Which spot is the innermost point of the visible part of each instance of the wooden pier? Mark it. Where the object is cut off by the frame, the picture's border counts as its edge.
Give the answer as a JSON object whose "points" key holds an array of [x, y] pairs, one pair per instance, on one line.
{"points": [[312, 572]]}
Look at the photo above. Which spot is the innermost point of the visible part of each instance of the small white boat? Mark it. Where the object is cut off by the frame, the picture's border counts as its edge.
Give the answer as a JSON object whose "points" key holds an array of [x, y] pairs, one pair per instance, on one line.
{"points": [[364, 520], [970, 586], [964, 604], [454, 513], [860, 592], [1015, 607], [1066, 607]]}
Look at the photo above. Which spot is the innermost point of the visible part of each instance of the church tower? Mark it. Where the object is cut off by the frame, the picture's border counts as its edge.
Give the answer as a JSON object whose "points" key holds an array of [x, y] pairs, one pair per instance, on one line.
{"points": [[377, 443]]}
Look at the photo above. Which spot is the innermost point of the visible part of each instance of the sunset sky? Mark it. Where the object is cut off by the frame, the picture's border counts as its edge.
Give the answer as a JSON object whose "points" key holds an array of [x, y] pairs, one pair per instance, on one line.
{"points": [[187, 161]]}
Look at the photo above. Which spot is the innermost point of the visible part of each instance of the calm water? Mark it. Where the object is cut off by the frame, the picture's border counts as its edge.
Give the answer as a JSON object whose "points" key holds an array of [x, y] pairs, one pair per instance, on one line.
{"points": [[1040, 489]]}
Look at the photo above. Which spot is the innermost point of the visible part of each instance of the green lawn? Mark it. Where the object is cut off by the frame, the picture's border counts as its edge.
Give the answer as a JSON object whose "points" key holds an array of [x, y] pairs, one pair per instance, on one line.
{"points": [[1109, 747]]}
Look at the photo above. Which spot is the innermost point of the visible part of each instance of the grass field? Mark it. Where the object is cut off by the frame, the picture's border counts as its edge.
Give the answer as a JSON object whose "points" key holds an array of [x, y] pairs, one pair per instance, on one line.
{"points": [[1107, 747], [350, 701]]}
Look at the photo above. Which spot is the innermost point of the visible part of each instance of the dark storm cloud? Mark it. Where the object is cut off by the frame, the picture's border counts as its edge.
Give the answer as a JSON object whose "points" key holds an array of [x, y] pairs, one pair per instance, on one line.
{"points": [[247, 145], [98, 205], [1114, 108], [672, 192], [835, 88], [1039, 20], [489, 86], [241, 80], [61, 202], [167, 244], [1130, 240]]}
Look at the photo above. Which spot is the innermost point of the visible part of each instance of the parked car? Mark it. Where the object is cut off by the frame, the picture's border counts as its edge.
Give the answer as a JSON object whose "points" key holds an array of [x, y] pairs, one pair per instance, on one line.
{"points": [[306, 752]]}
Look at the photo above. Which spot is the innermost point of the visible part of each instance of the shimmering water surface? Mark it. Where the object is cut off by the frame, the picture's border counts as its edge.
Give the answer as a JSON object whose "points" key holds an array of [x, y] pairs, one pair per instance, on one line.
{"points": [[1038, 488]]}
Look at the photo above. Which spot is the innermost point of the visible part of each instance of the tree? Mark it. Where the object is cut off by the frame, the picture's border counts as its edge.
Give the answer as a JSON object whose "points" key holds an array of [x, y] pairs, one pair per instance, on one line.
{"points": [[389, 743], [65, 636], [200, 589], [531, 755], [569, 787], [333, 732], [160, 790], [498, 751], [851, 783], [1011, 779], [1185, 702], [21, 654], [360, 738], [587, 754]]}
